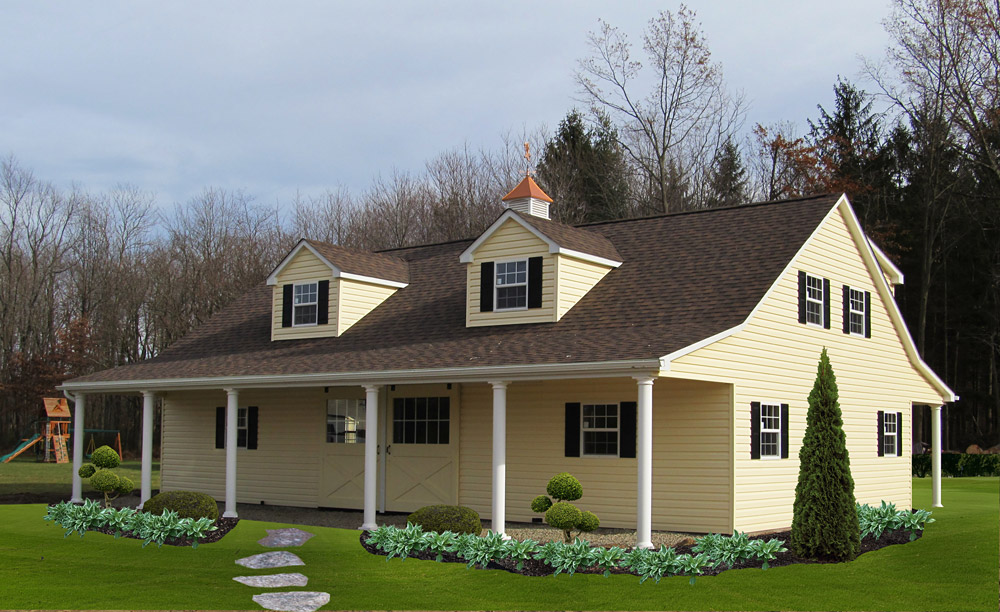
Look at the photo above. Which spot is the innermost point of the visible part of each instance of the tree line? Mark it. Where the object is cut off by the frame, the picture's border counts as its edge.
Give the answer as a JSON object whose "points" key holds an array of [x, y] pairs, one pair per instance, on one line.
{"points": [[90, 281]]}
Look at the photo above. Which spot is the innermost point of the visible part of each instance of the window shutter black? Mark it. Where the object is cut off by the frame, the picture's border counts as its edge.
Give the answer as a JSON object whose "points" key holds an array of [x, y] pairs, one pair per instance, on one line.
{"points": [[627, 429], [881, 433], [868, 315], [784, 431], [572, 429], [899, 434], [826, 303], [286, 305], [755, 430], [220, 427], [802, 297], [534, 282], [251, 427], [323, 303], [486, 282], [847, 309]]}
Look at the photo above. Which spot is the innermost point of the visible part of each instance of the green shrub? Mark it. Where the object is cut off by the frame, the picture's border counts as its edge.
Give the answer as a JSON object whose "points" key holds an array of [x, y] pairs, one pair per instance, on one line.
{"points": [[541, 503], [588, 521], [564, 487], [441, 517], [563, 515], [105, 458], [105, 481], [87, 470], [187, 504]]}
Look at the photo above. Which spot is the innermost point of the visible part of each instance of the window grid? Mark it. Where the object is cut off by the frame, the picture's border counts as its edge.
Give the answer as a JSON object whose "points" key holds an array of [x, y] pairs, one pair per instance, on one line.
{"points": [[305, 304], [600, 429], [241, 428], [421, 420], [814, 299], [770, 430], [511, 285], [857, 312], [890, 433], [345, 421]]}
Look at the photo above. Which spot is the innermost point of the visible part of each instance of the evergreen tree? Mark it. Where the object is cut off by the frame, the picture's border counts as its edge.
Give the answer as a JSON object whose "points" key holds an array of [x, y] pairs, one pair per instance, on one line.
{"points": [[727, 180], [824, 520]]}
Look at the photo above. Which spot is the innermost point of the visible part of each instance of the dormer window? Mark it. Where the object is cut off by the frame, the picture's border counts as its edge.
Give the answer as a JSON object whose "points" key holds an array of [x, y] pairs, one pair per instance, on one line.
{"points": [[306, 304], [512, 285]]}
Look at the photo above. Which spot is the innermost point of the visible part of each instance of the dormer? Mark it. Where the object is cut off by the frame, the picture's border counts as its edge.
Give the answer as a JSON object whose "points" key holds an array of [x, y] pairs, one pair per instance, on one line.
{"points": [[321, 290], [526, 268]]}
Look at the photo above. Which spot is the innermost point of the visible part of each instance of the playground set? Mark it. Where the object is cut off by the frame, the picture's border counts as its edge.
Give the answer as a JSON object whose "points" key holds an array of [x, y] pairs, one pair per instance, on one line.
{"points": [[50, 437]]}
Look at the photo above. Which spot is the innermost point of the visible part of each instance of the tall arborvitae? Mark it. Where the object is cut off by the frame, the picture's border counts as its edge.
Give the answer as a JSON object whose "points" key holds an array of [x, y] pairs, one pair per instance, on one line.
{"points": [[825, 522]]}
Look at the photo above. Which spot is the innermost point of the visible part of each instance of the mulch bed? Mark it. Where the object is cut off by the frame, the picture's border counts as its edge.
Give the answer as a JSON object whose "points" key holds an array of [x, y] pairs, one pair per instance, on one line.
{"points": [[535, 567], [224, 525]]}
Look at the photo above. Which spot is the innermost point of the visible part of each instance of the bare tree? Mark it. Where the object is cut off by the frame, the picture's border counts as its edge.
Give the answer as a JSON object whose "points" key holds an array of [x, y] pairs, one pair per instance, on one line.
{"points": [[782, 165], [326, 217]]}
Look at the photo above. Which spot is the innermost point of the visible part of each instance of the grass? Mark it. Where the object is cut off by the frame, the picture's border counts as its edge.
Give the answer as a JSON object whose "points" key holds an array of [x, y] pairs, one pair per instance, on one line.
{"points": [[30, 476], [953, 567]]}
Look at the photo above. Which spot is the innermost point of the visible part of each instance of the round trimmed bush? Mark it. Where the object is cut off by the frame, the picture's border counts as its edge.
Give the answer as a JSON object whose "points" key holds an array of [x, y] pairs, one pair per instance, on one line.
{"points": [[563, 515], [565, 487], [125, 485], [87, 470], [541, 503], [105, 481], [442, 517], [187, 504], [588, 521], [106, 458]]}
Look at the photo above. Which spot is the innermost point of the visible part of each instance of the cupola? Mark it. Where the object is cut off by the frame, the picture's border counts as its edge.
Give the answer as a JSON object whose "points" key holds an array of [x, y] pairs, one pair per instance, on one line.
{"points": [[528, 199]]}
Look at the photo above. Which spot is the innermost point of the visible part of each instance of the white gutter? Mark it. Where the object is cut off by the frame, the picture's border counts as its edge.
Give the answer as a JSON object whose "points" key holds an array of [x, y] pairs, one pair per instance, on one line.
{"points": [[595, 369]]}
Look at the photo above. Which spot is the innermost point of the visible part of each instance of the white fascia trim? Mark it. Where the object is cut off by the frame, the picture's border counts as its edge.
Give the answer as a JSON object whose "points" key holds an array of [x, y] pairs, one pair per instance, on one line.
{"points": [[886, 264], [371, 279], [595, 369], [272, 279], [666, 359], [587, 257]]}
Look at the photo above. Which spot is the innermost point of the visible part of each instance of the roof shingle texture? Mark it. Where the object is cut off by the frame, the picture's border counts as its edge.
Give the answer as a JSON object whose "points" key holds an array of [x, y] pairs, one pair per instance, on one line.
{"points": [[575, 238], [685, 277], [364, 263]]}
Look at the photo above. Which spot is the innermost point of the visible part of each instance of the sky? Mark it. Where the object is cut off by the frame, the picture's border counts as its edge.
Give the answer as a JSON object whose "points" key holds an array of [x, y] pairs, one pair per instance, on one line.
{"points": [[278, 98]]}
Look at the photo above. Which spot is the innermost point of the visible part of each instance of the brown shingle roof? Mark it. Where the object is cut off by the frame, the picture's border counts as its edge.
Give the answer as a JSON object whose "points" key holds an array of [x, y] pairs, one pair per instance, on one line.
{"points": [[685, 277], [577, 239], [365, 263]]}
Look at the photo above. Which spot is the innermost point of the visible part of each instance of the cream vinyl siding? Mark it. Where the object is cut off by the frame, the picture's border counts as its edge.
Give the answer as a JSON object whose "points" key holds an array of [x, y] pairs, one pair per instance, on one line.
{"points": [[357, 299], [304, 268], [774, 359], [510, 241], [574, 278], [284, 468], [691, 452]]}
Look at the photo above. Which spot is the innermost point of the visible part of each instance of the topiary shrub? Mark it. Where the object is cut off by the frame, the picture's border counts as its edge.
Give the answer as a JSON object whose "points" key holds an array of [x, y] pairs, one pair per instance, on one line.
{"points": [[102, 478], [441, 517], [187, 504], [561, 514]]}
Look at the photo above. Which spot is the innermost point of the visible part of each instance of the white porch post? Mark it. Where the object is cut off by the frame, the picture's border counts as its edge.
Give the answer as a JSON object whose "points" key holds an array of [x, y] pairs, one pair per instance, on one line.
{"points": [[232, 405], [499, 456], [371, 455], [79, 402], [146, 486], [936, 456], [644, 456]]}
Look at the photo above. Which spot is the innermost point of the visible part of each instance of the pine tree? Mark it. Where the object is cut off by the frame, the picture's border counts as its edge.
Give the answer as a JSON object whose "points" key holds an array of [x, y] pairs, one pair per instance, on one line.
{"points": [[727, 180], [824, 520]]}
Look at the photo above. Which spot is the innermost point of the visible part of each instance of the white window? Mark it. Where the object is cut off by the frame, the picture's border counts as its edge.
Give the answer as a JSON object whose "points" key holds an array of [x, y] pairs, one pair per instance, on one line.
{"points": [[305, 304], [600, 429], [241, 428], [814, 299], [770, 430], [890, 434], [345, 421], [511, 285], [857, 312]]}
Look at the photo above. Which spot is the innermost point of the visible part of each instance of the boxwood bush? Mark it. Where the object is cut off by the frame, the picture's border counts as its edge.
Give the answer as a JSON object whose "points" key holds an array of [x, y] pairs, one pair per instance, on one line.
{"points": [[442, 517], [187, 504]]}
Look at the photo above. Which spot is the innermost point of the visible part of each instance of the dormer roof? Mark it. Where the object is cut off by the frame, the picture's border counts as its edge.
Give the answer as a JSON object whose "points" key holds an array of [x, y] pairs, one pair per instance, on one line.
{"points": [[352, 264]]}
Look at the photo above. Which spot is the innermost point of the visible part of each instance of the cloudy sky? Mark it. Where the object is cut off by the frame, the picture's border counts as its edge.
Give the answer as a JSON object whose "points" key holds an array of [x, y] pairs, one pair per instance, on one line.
{"points": [[274, 97]]}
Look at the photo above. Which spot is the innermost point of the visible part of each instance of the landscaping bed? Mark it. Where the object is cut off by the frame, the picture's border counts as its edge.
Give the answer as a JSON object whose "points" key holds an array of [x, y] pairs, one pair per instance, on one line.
{"points": [[223, 525]]}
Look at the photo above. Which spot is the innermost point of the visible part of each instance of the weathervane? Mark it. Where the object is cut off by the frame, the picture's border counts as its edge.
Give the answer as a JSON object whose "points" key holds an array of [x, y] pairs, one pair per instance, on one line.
{"points": [[527, 158]]}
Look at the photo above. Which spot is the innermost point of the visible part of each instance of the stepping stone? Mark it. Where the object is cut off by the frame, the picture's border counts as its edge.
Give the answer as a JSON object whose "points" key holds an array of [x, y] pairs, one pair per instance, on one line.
{"points": [[278, 558], [295, 601], [279, 538], [272, 581]]}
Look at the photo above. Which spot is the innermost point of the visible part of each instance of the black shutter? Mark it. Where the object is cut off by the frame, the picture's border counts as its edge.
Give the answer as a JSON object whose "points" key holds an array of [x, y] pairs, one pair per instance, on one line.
{"points": [[755, 430], [251, 427], [323, 305], [802, 297], [899, 434], [847, 309], [826, 303], [868, 315], [572, 429], [534, 282], [881, 432], [286, 306], [784, 431], [486, 282], [220, 427], [626, 429]]}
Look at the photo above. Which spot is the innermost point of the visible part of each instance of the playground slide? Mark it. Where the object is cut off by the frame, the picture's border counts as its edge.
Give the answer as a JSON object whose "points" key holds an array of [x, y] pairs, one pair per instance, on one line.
{"points": [[25, 445]]}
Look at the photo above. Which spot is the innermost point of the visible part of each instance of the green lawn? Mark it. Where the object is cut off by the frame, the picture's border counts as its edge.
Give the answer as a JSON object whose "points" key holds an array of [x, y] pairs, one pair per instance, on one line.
{"points": [[953, 567], [30, 476]]}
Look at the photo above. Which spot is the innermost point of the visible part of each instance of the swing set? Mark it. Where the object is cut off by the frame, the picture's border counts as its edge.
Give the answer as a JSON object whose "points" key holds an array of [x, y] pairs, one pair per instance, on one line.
{"points": [[50, 437]]}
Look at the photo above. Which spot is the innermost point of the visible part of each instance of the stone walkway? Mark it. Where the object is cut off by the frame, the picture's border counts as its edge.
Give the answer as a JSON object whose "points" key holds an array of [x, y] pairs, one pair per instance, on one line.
{"points": [[289, 601]]}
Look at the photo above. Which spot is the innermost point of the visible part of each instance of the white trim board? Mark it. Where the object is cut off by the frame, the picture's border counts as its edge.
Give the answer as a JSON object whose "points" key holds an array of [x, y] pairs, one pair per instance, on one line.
{"points": [[272, 278]]}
